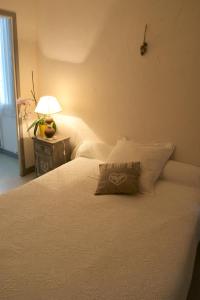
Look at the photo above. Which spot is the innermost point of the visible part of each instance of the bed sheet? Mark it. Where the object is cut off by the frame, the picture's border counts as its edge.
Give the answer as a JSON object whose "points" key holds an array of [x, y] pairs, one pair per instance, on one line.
{"points": [[59, 241]]}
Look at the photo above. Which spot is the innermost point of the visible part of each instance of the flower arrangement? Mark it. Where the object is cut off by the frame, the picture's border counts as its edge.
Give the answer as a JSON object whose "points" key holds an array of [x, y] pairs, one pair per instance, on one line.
{"points": [[37, 123], [24, 107], [26, 111], [25, 104]]}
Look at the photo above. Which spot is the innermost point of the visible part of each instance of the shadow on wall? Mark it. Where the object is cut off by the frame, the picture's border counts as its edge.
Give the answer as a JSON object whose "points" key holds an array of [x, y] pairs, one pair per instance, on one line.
{"points": [[67, 126], [112, 88], [75, 128]]}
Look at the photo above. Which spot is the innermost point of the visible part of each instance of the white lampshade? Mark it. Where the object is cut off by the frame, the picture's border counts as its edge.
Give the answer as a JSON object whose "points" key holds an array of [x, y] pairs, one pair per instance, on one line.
{"points": [[48, 105]]}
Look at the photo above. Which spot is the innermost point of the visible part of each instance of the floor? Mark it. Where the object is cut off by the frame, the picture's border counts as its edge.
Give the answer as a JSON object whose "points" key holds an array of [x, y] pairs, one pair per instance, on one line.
{"points": [[9, 174]]}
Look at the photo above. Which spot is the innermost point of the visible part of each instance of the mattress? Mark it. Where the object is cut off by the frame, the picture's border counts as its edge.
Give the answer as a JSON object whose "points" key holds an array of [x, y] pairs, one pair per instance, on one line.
{"points": [[59, 241]]}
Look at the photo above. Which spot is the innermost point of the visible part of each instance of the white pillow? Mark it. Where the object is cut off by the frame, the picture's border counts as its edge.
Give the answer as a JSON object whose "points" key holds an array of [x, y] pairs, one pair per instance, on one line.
{"points": [[93, 149], [152, 157], [182, 173]]}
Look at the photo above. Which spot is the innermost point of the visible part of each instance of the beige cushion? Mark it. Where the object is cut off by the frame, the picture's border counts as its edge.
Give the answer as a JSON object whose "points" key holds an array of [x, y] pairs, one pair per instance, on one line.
{"points": [[182, 173], [118, 178], [152, 157], [93, 149]]}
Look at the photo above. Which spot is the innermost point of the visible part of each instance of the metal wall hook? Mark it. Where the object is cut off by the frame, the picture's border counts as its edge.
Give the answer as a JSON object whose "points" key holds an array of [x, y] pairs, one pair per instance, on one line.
{"points": [[144, 47]]}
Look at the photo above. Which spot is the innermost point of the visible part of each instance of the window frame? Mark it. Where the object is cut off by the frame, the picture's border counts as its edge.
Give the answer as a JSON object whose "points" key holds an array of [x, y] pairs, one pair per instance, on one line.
{"points": [[12, 15]]}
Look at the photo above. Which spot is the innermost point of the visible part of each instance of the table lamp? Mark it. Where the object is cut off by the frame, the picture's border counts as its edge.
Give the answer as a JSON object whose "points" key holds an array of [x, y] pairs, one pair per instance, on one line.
{"points": [[48, 105]]}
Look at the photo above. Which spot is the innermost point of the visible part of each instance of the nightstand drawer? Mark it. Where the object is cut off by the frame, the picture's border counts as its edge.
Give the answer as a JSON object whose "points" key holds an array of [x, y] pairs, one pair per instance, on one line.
{"points": [[41, 148], [50, 154], [43, 164]]}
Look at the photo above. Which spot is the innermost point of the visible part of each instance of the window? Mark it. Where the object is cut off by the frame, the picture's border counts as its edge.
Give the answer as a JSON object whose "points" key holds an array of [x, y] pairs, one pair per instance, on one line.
{"points": [[7, 96], [1, 78]]}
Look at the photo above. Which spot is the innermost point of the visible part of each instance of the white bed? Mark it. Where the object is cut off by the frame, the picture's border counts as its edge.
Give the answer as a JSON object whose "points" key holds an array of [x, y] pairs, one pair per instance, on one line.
{"points": [[59, 241]]}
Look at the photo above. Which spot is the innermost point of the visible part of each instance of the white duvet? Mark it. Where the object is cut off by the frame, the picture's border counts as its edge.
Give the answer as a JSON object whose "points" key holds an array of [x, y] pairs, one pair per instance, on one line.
{"points": [[60, 242]]}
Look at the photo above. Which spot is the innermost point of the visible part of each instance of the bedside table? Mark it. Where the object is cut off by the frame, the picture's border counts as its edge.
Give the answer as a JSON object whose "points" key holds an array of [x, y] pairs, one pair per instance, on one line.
{"points": [[50, 154]]}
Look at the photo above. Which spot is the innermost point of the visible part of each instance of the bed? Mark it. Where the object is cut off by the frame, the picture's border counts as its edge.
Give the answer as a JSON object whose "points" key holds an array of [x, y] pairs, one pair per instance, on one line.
{"points": [[60, 241]]}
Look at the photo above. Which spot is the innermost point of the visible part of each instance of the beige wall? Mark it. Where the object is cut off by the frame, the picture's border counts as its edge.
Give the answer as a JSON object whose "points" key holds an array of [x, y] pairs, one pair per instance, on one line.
{"points": [[27, 43], [89, 58], [27, 39]]}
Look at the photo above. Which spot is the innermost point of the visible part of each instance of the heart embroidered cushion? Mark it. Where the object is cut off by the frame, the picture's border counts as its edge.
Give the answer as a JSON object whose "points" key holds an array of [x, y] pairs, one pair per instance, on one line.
{"points": [[152, 157], [118, 178]]}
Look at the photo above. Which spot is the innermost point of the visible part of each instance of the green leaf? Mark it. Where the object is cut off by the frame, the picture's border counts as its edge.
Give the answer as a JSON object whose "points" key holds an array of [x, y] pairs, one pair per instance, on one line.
{"points": [[54, 126], [40, 121], [36, 127], [32, 125]]}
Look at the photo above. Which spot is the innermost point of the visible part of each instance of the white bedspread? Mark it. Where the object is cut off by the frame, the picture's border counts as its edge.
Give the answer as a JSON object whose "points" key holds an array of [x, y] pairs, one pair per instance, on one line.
{"points": [[60, 242]]}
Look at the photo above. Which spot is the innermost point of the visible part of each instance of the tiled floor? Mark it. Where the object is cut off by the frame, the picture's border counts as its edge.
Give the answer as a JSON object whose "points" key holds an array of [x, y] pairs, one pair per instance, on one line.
{"points": [[9, 174]]}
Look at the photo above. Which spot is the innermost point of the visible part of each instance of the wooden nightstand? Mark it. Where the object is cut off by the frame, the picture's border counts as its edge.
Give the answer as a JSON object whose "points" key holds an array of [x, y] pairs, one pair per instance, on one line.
{"points": [[50, 154]]}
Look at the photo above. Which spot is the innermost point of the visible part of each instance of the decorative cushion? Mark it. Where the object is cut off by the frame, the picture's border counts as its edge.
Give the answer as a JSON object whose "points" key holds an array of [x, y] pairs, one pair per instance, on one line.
{"points": [[182, 173], [118, 178], [153, 158], [93, 149]]}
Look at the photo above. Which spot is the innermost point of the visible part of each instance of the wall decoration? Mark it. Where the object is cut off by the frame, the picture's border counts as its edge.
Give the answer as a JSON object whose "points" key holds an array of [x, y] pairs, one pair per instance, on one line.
{"points": [[144, 47]]}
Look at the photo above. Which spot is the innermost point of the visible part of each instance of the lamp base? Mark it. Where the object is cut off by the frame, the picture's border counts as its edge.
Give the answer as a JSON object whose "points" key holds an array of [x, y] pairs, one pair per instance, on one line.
{"points": [[49, 120], [50, 129], [42, 128]]}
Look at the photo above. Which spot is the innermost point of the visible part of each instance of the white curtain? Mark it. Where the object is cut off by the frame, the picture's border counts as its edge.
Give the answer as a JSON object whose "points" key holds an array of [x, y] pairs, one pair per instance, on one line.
{"points": [[7, 90]]}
